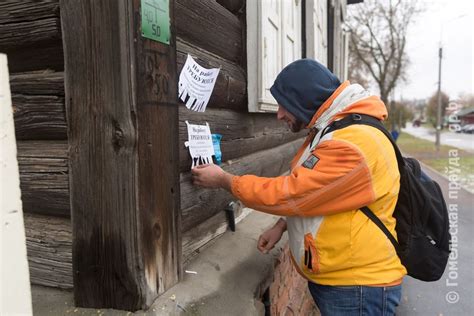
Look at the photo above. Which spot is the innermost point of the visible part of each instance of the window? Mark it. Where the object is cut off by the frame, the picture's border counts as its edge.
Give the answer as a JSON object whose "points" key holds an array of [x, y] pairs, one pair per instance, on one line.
{"points": [[273, 41]]}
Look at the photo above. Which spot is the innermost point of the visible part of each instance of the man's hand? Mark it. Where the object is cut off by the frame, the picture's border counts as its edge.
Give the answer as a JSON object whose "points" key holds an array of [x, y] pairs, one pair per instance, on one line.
{"points": [[270, 237], [211, 176]]}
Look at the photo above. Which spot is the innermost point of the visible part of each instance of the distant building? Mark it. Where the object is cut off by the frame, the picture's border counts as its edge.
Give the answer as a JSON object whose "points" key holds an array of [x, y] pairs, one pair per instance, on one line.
{"points": [[466, 116]]}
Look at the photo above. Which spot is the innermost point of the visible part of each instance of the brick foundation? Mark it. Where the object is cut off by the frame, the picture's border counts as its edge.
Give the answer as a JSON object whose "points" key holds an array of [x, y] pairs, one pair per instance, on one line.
{"points": [[288, 293]]}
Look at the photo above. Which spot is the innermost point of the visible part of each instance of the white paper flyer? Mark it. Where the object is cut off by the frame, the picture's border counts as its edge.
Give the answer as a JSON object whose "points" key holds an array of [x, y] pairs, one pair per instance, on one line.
{"points": [[200, 144], [196, 84]]}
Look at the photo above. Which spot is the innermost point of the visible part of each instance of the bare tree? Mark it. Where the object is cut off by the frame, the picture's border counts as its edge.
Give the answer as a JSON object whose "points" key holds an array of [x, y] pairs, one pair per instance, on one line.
{"points": [[378, 37]]}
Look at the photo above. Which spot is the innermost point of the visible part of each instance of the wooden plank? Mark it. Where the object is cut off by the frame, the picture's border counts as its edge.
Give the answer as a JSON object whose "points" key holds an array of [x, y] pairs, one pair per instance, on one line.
{"points": [[237, 7], [15, 35], [122, 127], [199, 204], [43, 82], [44, 179], [199, 236], [230, 91], [208, 25], [27, 11], [39, 117], [36, 57], [49, 249]]}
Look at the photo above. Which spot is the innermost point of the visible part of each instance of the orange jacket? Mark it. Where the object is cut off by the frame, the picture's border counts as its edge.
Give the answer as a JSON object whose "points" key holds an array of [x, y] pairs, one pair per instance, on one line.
{"points": [[356, 166]]}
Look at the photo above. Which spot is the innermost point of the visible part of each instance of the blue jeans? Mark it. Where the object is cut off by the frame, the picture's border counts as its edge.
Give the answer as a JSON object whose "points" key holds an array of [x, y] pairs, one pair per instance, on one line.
{"points": [[356, 300]]}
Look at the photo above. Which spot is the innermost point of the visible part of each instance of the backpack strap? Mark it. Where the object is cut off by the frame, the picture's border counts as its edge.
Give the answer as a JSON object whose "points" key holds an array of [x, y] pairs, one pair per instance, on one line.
{"points": [[363, 119], [368, 212]]}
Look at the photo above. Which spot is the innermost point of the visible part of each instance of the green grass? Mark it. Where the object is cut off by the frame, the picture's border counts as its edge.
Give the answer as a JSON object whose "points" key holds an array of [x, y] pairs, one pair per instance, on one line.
{"points": [[425, 151]]}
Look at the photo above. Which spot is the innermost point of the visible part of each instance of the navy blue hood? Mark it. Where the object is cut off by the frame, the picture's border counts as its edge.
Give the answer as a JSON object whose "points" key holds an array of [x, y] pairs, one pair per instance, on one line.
{"points": [[303, 86]]}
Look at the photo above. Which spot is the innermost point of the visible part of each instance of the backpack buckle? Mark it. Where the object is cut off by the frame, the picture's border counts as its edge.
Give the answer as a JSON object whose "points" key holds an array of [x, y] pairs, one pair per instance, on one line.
{"points": [[356, 117]]}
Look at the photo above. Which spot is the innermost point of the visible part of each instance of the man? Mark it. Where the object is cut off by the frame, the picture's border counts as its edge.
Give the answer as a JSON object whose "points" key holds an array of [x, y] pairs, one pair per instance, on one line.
{"points": [[352, 268]]}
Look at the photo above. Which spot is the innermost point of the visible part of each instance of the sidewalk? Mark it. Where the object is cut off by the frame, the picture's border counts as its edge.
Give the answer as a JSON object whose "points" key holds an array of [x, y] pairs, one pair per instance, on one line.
{"points": [[452, 294]]}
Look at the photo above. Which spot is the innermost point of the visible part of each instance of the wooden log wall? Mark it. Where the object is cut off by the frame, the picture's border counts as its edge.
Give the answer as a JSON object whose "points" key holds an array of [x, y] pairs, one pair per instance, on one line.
{"points": [[213, 32], [30, 35]]}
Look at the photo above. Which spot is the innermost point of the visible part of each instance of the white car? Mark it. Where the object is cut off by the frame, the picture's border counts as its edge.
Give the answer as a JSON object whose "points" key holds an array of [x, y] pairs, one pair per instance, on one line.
{"points": [[468, 129]]}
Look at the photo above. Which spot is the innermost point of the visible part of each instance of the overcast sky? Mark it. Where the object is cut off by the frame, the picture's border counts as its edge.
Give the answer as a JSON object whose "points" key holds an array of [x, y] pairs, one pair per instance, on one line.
{"points": [[423, 42]]}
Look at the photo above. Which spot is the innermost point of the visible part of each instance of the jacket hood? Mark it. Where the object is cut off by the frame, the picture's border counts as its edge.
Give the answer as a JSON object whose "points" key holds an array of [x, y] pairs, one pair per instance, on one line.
{"points": [[372, 106], [303, 86]]}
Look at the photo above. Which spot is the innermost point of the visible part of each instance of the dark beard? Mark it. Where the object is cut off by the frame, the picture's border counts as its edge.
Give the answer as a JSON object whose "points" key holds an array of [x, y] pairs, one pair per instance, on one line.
{"points": [[295, 128]]}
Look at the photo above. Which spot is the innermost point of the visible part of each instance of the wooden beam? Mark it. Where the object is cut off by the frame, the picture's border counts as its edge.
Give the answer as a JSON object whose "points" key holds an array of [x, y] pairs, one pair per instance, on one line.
{"points": [[49, 249], [208, 25], [43, 82], [44, 177], [22, 34], [121, 94], [27, 11], [39, 117], [30, 34]]}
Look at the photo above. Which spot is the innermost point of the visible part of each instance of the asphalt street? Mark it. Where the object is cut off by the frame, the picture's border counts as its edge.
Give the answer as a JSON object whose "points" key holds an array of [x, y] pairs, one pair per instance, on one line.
{"points": [[453, 294], [459, 140]]}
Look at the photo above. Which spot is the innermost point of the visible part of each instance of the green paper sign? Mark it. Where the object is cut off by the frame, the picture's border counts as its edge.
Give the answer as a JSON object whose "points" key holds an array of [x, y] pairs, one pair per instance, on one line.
{"points": [[156, 20]]}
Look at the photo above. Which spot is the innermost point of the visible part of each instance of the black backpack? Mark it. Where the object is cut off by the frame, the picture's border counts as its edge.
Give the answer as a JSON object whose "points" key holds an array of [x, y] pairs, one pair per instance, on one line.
{"points": [[422, 218]]}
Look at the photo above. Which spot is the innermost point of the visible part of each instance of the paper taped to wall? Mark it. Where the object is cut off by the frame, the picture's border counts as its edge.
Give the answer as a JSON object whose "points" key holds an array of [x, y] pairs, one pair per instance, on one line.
{"points": [[196, 84], [199, 144]]}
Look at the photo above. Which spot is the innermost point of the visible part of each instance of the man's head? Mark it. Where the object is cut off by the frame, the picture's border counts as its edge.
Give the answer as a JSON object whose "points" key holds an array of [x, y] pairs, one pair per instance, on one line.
{"points": [[293, 123], [300, 89]]}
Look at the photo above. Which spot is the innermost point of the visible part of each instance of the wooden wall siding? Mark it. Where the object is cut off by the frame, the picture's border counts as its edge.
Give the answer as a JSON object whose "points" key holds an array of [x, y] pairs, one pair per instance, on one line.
{"points": [[44, 179], [49, 247], [30, 34], [208, 25], [230, 90]]}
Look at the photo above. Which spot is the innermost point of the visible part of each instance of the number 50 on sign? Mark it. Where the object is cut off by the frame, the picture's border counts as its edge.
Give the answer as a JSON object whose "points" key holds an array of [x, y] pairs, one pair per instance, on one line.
{"points": [[156, 20]]}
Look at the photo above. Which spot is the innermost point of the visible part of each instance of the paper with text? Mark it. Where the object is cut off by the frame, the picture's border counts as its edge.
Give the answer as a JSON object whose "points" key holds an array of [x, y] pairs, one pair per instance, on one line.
{"points": [[200, 144], [196, 84]]}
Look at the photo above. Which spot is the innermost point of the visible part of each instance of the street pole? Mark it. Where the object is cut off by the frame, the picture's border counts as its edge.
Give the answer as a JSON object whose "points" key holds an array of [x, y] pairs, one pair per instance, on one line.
{"points": [[438, 118]]}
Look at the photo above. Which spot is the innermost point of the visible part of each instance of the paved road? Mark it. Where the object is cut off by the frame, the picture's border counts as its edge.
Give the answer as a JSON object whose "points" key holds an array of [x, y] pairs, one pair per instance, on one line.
{"points": [[459, 140], [431, 298]]}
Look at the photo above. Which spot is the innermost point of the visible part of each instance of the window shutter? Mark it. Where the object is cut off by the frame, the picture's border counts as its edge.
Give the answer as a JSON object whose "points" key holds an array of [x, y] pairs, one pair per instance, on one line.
{"points": [[316, 30], [273, 41]]}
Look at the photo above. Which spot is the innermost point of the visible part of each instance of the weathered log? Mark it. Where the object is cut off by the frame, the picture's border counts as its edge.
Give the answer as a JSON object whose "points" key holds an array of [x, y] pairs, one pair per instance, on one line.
{"points": [[230, 90], [43, 82], [206, 24], [36, 57], [27, 11], [121, 101], [15, 35], [44, 178], [197, 237], [49, 250], [199, 204], [39, 117], [234, 6]]}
